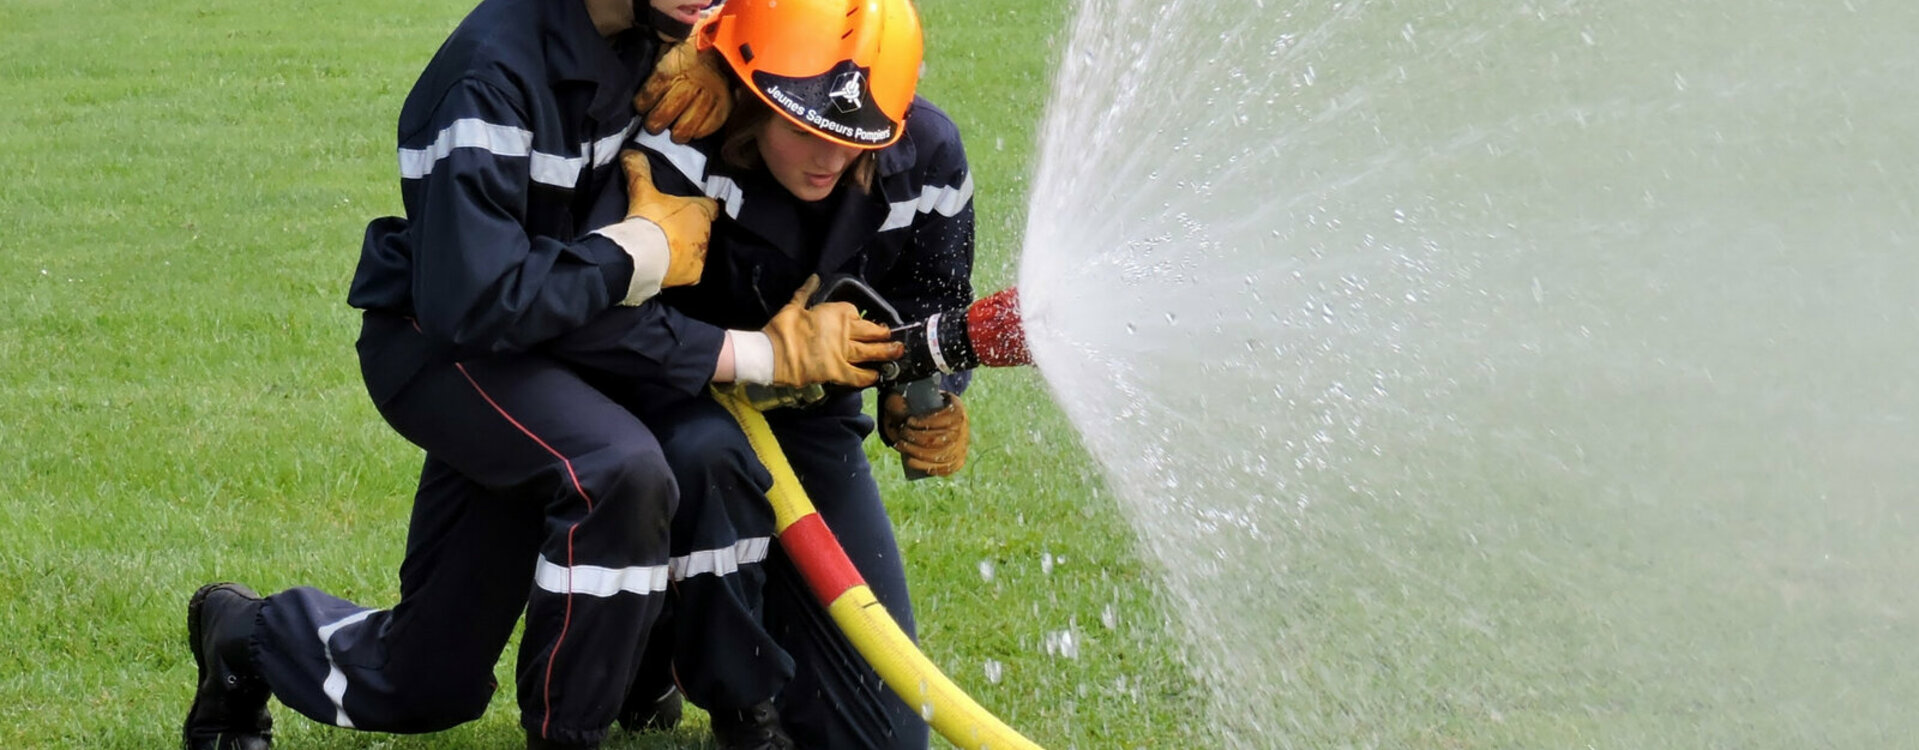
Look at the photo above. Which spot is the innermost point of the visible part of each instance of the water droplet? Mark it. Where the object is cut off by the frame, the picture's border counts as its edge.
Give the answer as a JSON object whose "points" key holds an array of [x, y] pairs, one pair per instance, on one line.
{"points": [[986, 570], [1109, 617], [994, 670], [1046, 563], [1062, 643]]}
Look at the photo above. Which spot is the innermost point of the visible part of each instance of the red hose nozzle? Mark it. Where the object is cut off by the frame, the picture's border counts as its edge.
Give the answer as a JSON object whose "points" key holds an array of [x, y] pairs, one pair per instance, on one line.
{"points": [[993, 325]]}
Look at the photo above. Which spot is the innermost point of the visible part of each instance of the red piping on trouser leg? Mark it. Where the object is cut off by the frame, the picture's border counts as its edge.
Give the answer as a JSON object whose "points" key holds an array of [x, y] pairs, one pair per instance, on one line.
{"points": [[566, 620]]}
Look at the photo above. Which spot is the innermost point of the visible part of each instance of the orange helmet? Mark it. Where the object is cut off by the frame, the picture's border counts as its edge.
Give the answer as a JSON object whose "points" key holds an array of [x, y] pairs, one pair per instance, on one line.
{"points": [[843, 69]]}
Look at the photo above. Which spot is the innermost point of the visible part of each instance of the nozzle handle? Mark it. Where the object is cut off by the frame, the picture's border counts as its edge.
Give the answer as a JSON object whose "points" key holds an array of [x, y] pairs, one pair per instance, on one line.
{"points": [[842, 288], [923, 397], [850, 289]]}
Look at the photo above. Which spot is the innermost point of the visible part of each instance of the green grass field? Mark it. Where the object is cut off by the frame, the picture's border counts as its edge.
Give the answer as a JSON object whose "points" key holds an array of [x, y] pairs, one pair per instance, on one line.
{"points": [[185, 188]]}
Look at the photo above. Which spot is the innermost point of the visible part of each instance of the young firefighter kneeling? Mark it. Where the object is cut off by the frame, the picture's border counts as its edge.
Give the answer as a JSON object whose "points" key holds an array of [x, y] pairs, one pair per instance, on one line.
{"points": [[829, 165], [510, 317]]}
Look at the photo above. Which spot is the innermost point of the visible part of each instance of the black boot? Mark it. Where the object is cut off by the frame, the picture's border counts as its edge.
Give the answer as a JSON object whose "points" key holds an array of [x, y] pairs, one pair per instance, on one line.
{"points": [[230, 706], [658, 712], [755, 728]]}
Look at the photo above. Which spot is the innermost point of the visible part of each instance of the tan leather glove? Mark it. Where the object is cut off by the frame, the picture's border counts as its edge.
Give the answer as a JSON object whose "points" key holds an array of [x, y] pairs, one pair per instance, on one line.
{"points": [[826, 343], [687, 221], [934, 443], [687, 92]]}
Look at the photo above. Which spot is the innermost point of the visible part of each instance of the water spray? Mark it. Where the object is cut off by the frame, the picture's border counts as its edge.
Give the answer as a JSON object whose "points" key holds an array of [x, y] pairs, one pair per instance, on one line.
{"points": [[1492, 374]]}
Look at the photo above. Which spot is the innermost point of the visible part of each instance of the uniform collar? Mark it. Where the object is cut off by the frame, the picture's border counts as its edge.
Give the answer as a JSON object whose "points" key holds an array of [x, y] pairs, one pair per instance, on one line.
{"points": [[575, 51], [855, 222], [900, 157], [770, 213]]}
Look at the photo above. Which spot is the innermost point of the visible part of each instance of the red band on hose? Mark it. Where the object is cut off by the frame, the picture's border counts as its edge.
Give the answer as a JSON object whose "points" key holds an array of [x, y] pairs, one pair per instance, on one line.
{"points": [[816, 552], [993, 326]]}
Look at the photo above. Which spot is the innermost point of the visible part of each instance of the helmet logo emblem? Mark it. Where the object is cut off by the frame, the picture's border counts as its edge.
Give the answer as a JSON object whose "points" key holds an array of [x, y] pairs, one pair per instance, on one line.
{"points": [[846, 91]]}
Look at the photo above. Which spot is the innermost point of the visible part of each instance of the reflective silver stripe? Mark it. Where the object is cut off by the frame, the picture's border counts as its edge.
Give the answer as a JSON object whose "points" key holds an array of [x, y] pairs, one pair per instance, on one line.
{"points": [[593, 580], [512, 142], [558, 171], [500, 140], [721, 561], [727, 192], [691, 163], [685, 158], [945, 201], [564, 171], [335, 685], [606, 149]]}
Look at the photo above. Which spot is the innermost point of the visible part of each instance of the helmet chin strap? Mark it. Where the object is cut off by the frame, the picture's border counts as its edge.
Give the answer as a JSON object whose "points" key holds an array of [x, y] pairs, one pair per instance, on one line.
{"points": [[665, 24]]}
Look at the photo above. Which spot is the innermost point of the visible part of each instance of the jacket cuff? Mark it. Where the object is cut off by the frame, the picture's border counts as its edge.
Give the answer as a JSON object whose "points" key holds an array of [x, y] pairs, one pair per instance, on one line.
{"points": [[752, 357], [645, 243]]}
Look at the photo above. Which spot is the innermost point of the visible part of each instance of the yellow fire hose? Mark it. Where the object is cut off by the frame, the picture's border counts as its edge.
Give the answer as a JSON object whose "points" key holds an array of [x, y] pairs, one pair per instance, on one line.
{"points": [[866, 623]]}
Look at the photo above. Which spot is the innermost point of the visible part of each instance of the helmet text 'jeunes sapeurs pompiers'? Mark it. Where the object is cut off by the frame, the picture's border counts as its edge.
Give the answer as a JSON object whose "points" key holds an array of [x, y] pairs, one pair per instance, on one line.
{"points": [[843, 69]]}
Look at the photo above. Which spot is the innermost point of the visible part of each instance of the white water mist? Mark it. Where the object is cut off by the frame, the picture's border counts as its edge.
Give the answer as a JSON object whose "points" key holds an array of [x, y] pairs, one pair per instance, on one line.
{"points": [[1503, 373]]}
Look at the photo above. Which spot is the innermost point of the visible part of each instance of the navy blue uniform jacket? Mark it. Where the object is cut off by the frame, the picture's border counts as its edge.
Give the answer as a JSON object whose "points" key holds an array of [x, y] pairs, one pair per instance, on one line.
{"points": [[507, 156], [910, 237]]}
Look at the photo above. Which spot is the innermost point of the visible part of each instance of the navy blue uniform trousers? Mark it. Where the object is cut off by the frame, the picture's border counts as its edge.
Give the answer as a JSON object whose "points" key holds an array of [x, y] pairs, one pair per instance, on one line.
{"points": [[745, 627], [538, 493]]}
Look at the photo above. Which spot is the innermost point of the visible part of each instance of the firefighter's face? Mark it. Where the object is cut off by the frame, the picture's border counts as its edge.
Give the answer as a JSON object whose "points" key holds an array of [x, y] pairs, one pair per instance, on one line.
{"points": [[684, 11], [805, 164]]}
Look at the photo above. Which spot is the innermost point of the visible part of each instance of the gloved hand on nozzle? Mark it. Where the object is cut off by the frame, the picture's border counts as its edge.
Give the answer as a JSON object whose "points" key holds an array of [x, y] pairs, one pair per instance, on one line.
{"points": [[826, 343], [934, 443]]}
